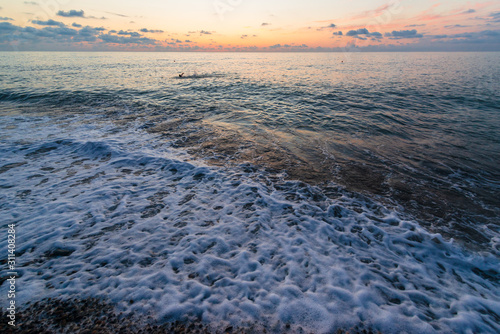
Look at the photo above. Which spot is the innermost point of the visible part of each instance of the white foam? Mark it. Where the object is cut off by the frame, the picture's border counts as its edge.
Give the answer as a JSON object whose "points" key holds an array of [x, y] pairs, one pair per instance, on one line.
{"points": [[120, 216]]}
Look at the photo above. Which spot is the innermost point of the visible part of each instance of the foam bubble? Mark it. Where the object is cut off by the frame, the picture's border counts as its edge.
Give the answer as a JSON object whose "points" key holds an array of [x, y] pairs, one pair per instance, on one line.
{"points": [[115, 214]]}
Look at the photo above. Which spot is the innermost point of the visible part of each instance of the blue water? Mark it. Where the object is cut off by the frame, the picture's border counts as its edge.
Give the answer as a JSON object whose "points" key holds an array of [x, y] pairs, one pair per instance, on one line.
{"points": [[420, 129], [374, 156]]}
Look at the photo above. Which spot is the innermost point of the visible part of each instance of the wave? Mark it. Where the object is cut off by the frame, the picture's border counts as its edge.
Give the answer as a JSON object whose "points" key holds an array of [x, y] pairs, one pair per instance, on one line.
{"points": [[117, 215]]}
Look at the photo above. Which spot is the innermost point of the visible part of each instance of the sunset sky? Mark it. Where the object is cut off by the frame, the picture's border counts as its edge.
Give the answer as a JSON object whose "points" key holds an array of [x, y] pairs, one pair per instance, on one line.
{"points": [[250, 25]]}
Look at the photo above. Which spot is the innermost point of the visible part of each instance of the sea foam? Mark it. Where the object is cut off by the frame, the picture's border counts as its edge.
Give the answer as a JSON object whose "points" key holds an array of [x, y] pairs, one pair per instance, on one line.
{"points": [[121, 215]]}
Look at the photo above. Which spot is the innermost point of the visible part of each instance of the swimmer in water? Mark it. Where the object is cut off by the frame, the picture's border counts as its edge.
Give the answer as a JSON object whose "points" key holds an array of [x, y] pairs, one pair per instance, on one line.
{"points": [[180, 75]]}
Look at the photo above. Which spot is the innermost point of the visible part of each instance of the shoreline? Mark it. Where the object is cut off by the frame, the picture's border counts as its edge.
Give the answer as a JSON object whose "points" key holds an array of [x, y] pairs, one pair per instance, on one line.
{"points": [[94, 315]]}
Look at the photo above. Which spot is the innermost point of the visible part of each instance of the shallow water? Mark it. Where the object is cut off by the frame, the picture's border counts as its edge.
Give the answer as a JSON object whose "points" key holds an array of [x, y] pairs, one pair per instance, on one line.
{"points": [[269, 188]]}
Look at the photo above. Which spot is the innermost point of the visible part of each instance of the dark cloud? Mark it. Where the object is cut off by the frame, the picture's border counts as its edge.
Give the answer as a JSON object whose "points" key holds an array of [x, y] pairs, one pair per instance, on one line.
{"points": [[494, 17], [129, 33], [62, 31], [338, 33], [362, 31], [7, 27], [88, 34], [363, 34], [402, 34], [53, 34], [415, 25], [265, 24], [244, 36], [469, 11], [456, 26], [71, 13], [490, 33], [6, 19], [76, 25], [107, 38], [330, 26], [203, 32], [188, 41], [482, 40], [440, 36], [150, 30], [48, 23], [287, 46]]}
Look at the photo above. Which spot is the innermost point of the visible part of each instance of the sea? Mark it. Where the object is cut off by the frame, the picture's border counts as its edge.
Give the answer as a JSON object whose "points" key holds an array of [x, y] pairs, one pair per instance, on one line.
{"points": [[298, 192]]}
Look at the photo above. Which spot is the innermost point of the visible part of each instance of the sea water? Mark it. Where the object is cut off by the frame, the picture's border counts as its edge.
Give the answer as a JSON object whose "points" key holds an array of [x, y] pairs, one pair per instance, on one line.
{"points": [[318, 190]]}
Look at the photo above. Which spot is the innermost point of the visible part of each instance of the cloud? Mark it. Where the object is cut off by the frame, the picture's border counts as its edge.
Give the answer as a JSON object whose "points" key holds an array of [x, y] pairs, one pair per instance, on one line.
{"points": [[129, 33], [51, 34], [150, 30], [494, 17], [88, 34], [48, 23], [76, 25], [330, 26], [363, 34], [402, 34], [6, 19], [469, 11], [31, 3], [287, 46], [456, 26], [369, 14], [490, 38], [7, 27], [265, 24], [362, 31], [203, 32], [127, 40], [71, 13], [64, 31], [338, 33], [415, 25], [54, 35], [117, 14]]}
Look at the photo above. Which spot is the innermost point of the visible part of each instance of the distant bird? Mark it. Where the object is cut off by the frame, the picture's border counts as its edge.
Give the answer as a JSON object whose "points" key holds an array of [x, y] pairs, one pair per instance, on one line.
{"points": [[180, 75]]}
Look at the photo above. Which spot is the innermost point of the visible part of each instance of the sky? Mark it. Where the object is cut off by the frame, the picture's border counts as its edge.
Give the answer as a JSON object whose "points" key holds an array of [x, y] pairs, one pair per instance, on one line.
{"points": [[249, 25]]}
